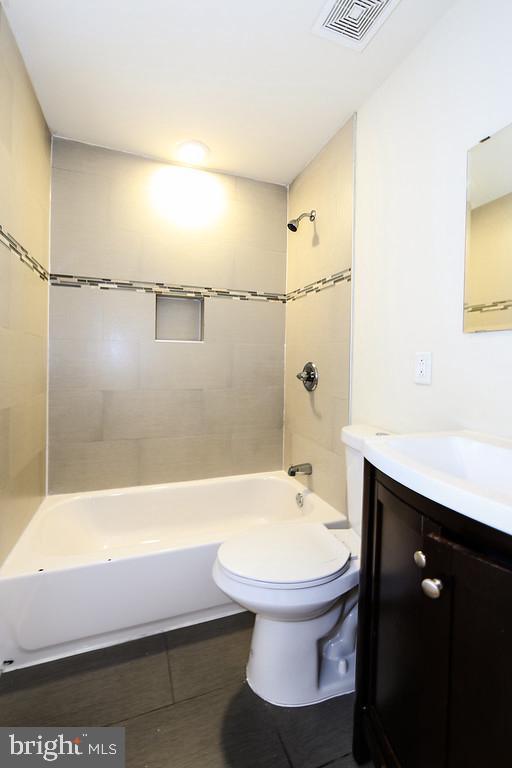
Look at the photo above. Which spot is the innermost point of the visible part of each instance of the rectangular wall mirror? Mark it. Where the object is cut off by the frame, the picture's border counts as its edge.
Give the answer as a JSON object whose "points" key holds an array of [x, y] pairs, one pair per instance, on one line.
{"points": [[488, 281]]}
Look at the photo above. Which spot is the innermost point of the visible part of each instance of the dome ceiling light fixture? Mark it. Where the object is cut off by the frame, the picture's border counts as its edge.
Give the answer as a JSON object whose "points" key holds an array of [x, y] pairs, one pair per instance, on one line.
{"points": [[192, 152]]}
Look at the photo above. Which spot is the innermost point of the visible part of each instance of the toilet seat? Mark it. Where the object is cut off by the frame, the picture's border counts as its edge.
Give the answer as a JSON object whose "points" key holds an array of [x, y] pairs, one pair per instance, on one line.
{"points": [[285, 556]]}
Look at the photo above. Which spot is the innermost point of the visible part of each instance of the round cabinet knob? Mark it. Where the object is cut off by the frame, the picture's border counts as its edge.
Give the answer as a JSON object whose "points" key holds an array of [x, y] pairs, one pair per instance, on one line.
{"points": [[432, 588], [420, 558]]}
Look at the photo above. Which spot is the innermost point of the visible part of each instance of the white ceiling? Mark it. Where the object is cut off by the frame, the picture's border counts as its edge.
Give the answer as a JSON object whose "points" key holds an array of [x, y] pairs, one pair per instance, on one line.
{"points": [[246, 77]]}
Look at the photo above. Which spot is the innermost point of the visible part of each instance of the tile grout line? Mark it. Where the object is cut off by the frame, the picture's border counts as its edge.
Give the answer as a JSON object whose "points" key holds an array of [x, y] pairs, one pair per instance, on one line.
{"points": [[332, 762], [283, 747], [172, 705], [141, 714], [169, 668]]}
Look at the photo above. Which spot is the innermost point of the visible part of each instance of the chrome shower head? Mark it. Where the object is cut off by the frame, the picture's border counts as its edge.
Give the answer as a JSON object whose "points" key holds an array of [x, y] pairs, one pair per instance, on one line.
{"points": [[293, 224]]}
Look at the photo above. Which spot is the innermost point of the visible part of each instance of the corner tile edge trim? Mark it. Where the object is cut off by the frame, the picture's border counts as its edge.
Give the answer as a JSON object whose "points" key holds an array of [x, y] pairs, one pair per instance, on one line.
{"points": [[29, 261]]}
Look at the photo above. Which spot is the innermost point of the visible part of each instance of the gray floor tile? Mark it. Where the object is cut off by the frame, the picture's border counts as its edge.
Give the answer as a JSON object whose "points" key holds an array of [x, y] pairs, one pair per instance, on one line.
{"points": [[96, 688], [346, 762], [314, 736], [209, 656], [230, 728]]}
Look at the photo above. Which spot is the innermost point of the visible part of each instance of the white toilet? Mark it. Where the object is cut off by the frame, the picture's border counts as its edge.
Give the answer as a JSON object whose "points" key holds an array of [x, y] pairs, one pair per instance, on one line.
{"points": [[301, 581]]}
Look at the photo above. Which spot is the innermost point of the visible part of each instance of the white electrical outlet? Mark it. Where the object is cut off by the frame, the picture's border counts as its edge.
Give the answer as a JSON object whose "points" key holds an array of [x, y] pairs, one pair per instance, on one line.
{"points": [[423, 368]]}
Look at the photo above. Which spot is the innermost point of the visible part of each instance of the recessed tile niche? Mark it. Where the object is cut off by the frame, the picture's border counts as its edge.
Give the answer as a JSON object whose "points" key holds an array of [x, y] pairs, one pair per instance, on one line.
{"points": [[179, 319]]}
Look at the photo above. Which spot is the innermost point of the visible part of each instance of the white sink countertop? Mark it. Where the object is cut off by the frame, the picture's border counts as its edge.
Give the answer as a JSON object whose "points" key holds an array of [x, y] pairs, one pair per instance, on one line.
{"points": [[468, 472]]}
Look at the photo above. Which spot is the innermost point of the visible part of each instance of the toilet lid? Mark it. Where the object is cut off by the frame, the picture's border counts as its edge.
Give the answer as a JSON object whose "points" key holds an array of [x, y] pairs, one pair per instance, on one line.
{"points": [[288, 553]]}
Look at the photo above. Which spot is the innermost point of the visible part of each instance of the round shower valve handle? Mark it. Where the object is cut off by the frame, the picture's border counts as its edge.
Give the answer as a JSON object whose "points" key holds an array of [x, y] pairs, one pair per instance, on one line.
{"points": [[309, 376]]}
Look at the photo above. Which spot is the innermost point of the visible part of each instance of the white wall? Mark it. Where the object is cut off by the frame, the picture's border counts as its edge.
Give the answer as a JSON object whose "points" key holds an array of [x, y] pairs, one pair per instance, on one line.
{"points": [[412, 140]]}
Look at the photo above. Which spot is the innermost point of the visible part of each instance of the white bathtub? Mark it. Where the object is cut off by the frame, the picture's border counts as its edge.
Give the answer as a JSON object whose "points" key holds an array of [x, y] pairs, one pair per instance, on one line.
{"points": [[99, 568]]}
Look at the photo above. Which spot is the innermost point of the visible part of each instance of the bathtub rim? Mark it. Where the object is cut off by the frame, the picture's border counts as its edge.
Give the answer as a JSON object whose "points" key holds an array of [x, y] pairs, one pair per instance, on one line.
{"points": [[54, 499], [10, 570]]}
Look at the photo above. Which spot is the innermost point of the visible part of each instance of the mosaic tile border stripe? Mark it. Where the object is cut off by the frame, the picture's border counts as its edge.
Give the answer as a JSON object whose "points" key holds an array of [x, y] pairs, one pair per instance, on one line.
{"points": [[196, 291], [185, 291], [9, 242], [320, 285], [493, 306], [165, 289]]}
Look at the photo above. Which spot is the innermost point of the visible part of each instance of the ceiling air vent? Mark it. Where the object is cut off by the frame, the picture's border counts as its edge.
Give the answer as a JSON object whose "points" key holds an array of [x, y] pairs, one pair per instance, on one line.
{"points": [[353, 22]]}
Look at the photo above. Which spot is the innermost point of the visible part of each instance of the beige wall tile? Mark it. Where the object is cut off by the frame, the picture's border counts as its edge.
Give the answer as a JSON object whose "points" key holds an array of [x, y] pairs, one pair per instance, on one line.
{"points": [[328, 477], [184, 261], [152, 413], [310, 414], [92, 466], [76, 415], [240, 410], [106, 219], [5, 285], [73, 363], [257, 451], [258, 409], [167, 390], [75, 313], [24, 212], [29, 301], [171, 459], [4, 449], [181, 365], [257, 269], [25, 166], [259, 322], [27, 428], [84, 364], [19, 500], [318, 325], [323, 316], [326, 184], [72, 156], [118, 365], [332, 361], [258, 364], [103, 349], [127, 315], [23, 368], [340, 419]]}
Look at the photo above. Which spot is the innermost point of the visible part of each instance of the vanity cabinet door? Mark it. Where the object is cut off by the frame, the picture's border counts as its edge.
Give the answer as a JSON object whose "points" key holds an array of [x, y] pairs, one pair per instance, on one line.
{"points": [[434, 670], [480, 716], [410, 657]]}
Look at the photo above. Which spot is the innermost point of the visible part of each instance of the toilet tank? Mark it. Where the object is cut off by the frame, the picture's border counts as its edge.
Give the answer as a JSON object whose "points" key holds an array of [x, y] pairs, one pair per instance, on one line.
{"points": [[354, 436]]}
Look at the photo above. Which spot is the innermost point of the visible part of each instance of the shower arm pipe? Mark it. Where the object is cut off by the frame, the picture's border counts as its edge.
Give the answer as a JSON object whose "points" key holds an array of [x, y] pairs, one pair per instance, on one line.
{"points": [[310, 214]]}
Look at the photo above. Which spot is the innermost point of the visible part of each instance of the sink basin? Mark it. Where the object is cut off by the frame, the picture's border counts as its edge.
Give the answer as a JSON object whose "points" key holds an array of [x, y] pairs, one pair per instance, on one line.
{"points": [[465, 471]]}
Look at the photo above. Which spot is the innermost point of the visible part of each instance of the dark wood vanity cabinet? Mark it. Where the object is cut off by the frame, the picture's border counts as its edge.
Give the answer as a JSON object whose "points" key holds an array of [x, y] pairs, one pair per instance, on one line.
{"points": [[434, 674]]}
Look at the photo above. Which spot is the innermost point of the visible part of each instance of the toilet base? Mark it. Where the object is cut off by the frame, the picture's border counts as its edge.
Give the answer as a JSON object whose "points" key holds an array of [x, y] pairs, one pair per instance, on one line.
{"points": [[299, 663]]}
